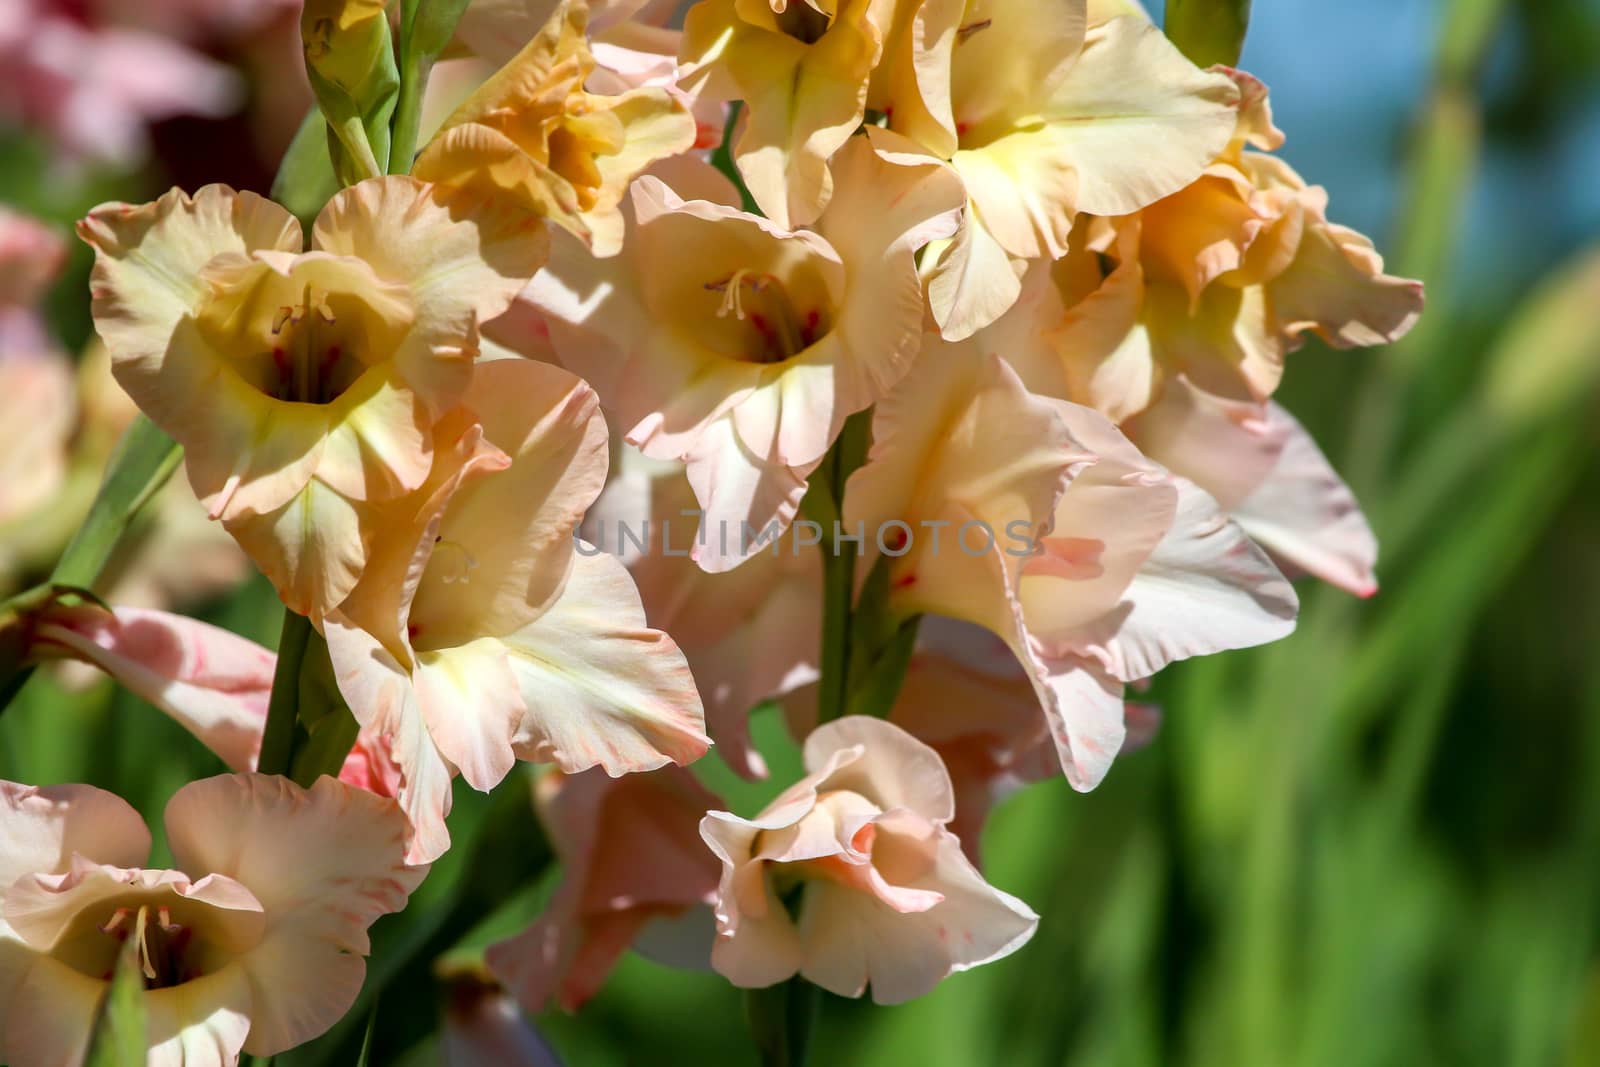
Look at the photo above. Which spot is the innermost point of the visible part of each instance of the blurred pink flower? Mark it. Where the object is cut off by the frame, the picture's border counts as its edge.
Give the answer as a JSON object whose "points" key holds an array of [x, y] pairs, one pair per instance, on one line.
{"points": [[630, 855], [95, 88], [37, 410]]}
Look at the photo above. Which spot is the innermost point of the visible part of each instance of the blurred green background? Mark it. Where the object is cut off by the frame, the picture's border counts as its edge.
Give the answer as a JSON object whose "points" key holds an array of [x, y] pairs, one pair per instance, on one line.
{"points": [[1377, 842]]}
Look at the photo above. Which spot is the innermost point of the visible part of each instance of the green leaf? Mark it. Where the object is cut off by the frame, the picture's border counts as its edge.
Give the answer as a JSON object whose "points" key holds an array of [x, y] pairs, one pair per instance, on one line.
{"points": [[305, 180], [1208, 31], [145, 458], [119, 1035], [366, 1042]]}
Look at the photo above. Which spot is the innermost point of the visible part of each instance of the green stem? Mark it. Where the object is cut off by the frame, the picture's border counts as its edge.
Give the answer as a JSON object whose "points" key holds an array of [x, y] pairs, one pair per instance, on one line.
{"points": [[781, 1017], [143, 461], [145, 458], [823, 504], [277, 739], [415, 66]]}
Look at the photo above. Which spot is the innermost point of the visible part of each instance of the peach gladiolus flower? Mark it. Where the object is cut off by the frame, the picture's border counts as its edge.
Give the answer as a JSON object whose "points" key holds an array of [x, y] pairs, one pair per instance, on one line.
{"points": [[966, 697], [1095, 565], [1044, 116], [477, 636], [749, 634], [631, 42], [630, 857], [535, 132], [850, 878], [302, 383], [801, 68], [255, 943], [1219, 281], [722, 340]]}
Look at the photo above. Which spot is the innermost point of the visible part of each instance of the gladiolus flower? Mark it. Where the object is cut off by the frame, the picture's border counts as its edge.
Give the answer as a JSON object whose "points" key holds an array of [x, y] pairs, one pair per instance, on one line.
{"points": [[1043, 118], [630, 856], [966, 697], [301, 383], [749, 634], [212, 682], [479, 636], [534, 132], [1265, 470], [1218, 281], [482, 1025], [850, 878], [255, 943], [801, 68], [746, 363], [1050, 529]]}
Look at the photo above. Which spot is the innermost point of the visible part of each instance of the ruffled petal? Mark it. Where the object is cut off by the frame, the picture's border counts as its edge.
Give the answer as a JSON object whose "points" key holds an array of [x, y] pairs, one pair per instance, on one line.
{"points": [[463, 258], [380, 694], [216, 684], [601, 688], [1304, 514], [43, 827], [325, 862], [1206, 588], [513, 529]]}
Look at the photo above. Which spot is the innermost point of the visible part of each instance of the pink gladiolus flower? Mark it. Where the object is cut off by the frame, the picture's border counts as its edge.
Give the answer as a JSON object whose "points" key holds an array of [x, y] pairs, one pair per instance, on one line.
{"points": [[36, 402], [1216, 282], [213, 683], [850, 877], [1045, 112], [630, 857]]}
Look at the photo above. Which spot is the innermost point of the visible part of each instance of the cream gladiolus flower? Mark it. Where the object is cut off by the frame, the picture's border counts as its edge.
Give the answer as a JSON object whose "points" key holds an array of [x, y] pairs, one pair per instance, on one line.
{"points": [[1038, 520], [1044, 116], [801, 67], [302, 383], [479, 636], [1218, 282], [850, 878], [255, 943], [722, 340], [533, 131]]}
